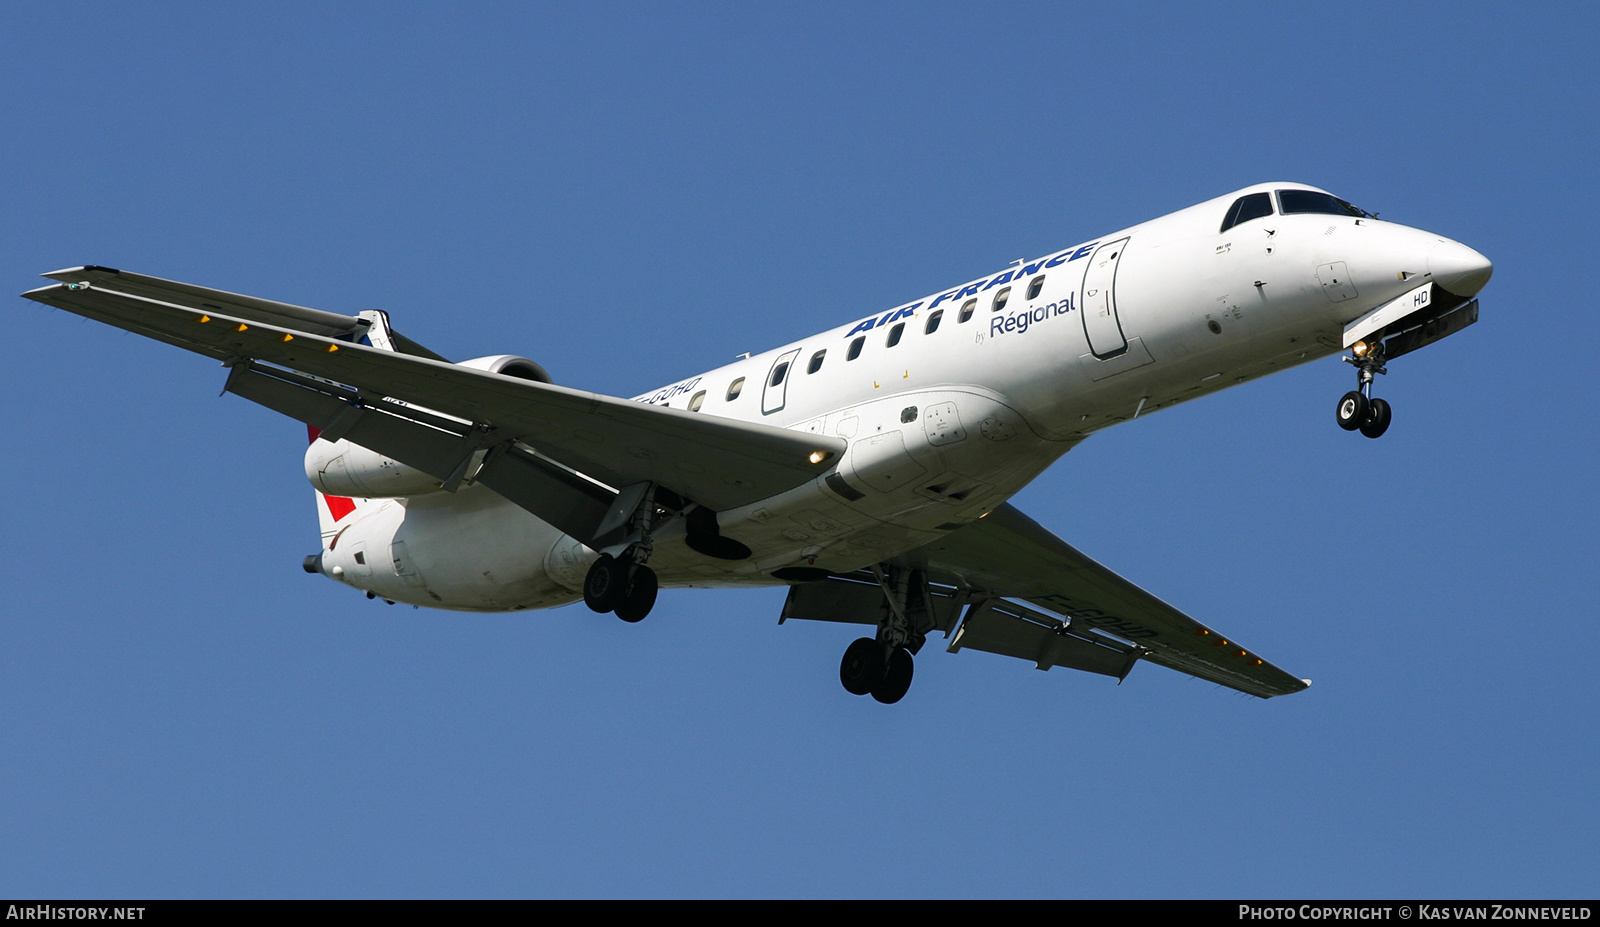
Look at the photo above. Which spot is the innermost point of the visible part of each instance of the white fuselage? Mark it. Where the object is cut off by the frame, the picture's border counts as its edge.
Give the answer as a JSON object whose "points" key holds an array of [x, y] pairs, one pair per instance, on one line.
{"points": [[947, 416]]}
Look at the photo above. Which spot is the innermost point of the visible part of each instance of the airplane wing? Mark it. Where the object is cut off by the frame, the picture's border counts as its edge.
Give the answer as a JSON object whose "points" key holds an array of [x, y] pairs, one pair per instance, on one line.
{"points": [[527, 436], [1007, 554]]}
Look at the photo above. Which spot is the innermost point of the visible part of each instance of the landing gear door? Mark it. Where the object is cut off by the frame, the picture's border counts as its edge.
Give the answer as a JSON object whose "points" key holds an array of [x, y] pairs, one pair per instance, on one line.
{"points": [[776, 388], [1099, 301]]}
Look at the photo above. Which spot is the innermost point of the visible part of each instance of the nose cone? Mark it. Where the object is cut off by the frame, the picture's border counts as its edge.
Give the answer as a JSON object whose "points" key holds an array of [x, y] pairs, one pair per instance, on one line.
{"points": [[1458, 268]]}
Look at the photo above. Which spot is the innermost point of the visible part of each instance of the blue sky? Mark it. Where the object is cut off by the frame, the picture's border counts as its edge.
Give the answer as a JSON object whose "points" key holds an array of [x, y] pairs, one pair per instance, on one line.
{"points": [[631, 193]]}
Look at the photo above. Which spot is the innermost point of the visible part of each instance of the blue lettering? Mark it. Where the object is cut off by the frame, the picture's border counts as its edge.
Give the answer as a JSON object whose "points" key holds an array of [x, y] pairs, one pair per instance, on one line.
{"points": [[1061, 258], [1084, 251], [905, 313], [1022, 323], [969, 290], [866, 326], [1003, 278], [996, 326], [941, 299]]}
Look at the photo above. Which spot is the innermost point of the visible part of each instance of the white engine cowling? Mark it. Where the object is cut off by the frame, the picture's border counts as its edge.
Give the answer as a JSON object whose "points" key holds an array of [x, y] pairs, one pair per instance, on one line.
{"points": [[340, 468], [509, 365]]}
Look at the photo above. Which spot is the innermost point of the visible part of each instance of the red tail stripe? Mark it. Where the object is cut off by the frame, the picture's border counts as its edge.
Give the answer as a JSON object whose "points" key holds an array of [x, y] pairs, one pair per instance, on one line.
{"points": [[340, 506]]}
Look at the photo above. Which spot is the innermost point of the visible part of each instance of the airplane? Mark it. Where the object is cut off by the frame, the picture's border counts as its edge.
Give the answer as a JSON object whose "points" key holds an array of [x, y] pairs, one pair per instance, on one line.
{"points": [[867, 468]]}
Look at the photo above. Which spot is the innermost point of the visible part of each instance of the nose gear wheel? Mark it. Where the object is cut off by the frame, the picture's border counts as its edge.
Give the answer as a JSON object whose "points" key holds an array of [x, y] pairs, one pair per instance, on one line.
{"points": [[1357, 410]]}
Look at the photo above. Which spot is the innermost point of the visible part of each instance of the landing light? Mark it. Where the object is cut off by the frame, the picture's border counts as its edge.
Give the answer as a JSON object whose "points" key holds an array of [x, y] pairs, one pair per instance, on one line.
{"points": [[1360, 348], [818, 456]]}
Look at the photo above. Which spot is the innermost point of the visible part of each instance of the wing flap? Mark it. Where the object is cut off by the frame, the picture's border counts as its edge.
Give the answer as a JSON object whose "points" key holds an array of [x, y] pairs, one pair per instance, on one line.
{"points": [[1008, 554], [718, 462], [438, 447], [1008, 629]]}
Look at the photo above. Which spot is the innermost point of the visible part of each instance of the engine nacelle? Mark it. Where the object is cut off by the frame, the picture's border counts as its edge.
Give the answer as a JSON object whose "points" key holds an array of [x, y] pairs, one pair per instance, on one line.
{"points": [[509, 365], [340, 468]]}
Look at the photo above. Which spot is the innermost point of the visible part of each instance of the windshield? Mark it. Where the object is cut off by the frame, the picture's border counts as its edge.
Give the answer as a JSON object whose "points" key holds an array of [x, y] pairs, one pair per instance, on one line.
{"points": [[1246, 208], [1302, 201]]}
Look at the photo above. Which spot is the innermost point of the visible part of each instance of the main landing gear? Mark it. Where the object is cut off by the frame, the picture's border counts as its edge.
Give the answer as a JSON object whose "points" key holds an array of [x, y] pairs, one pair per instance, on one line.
{"points": [[873, 667], [1358, 411], [625, 586], [882, 666], [621, 582], [618, 581]]}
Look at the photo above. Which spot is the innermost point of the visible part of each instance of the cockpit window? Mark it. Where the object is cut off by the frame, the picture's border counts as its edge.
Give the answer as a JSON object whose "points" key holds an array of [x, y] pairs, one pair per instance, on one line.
{"points": [[1303, 201], [1246, 208]]}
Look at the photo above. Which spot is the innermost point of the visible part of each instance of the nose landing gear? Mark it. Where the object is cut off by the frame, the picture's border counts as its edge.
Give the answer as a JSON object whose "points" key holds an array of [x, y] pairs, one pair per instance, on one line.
{"points": [[1357, 410]]}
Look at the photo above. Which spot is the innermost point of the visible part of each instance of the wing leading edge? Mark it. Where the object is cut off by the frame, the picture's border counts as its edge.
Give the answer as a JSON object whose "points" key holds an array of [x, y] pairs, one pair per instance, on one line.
{"points": [[1007, 554]]}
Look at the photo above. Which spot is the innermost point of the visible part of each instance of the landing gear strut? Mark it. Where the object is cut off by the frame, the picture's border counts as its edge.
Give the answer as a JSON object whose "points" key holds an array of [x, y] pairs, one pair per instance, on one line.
{"points": [[882, 666], [622, 583], [1357, 410]]}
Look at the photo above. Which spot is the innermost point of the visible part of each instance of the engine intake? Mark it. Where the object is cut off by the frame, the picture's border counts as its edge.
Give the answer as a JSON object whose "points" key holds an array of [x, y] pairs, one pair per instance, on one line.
{"points": [[509, 365]]}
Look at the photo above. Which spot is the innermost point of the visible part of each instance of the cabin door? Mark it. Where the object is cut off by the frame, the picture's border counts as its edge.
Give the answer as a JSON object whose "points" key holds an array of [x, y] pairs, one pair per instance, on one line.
{"points": [[1099, 301], [776, 390]]}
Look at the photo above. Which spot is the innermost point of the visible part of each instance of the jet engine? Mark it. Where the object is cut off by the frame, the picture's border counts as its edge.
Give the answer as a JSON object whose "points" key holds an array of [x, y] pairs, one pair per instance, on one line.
{"points": [[509, 365], [340, 468]]}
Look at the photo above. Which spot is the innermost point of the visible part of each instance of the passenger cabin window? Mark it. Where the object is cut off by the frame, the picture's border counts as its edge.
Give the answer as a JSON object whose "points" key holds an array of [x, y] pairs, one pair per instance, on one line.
{"points": [[1035, 287], [895, 333], [1246, 208], [778, 373], [933, 322], [1303, 201], [1000, 299], [966, 310], [735, 388], [697, 401], [855, 348], [816, 361]]}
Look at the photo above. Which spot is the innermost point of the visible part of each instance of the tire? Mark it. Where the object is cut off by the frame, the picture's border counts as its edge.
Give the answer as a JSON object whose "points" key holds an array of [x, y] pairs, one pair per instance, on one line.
{"points": [[606, 584], [1377, 419], [862, 666], [897, 679], [1353, 410], [641, 596]]}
